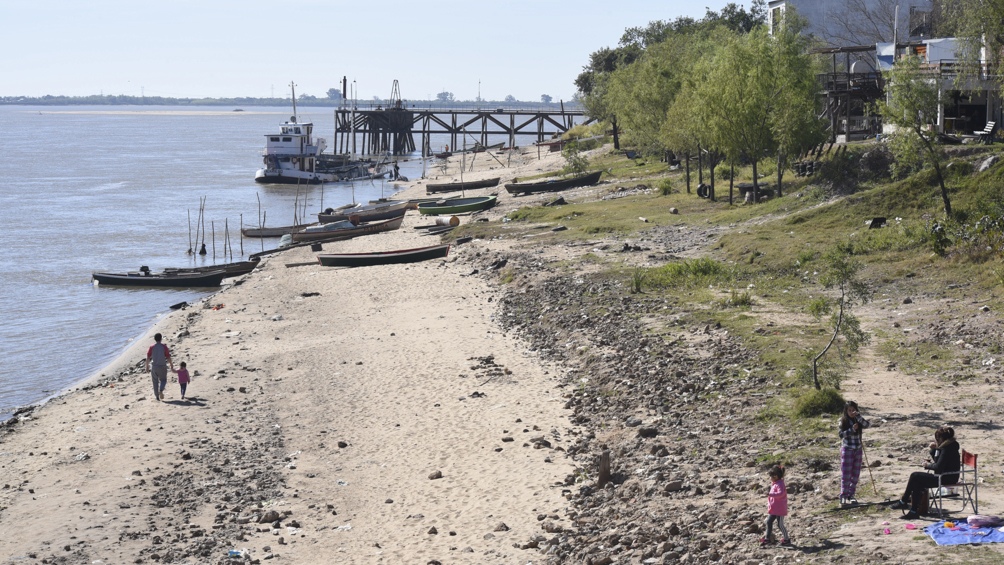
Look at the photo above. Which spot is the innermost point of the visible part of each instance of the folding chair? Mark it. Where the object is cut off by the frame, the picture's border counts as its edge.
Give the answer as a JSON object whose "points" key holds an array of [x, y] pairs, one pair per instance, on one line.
{"points": [[966, 488]]}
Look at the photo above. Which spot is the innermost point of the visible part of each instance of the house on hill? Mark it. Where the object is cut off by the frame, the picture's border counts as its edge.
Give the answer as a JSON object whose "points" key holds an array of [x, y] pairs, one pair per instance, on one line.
{"points": [[838, 23], [855, 82]]}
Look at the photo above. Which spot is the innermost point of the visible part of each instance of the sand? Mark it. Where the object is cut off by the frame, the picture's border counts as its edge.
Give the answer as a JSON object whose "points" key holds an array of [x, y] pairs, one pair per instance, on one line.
{"points": [[331, 396]]}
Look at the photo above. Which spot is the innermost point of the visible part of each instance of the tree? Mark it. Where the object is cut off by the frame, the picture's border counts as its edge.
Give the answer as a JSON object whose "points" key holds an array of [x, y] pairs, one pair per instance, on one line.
{"points": [[913, 94], [510, 98], [795, 123], [334, 94], [575, 161], [545, 98], [978, 23], [641, 93], [840, 272], [741, 95], [445, 96], [863, 22]]}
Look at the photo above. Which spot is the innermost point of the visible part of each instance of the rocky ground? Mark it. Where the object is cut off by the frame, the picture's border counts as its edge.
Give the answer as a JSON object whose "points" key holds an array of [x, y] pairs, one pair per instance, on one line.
{"points": [[675, 405]]}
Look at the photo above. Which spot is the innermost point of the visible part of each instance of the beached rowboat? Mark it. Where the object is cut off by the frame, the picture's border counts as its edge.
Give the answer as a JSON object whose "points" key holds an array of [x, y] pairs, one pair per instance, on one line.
{"points": [[272, 232], [383, 257], [365, 212], [183, 277], [458, 186], [457, 205], [554, 184], [336, 231], [165, 279]]}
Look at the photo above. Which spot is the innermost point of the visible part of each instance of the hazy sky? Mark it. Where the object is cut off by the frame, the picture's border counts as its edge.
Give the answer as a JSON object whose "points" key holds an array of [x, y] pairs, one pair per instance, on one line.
{"points": [[229, 48]]}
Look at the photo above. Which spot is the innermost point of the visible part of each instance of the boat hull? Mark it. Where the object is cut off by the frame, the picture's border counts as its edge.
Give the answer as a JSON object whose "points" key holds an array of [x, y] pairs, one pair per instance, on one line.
{"points": [[348, 233], [458, 186], [366, 213], [162, 280], [384, 257], [457, 206], [554, 185], [272, 232]]}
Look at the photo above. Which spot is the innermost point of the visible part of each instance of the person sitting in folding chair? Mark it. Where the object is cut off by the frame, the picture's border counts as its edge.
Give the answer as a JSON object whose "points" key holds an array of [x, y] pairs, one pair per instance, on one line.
{"points": [[946, 465]]}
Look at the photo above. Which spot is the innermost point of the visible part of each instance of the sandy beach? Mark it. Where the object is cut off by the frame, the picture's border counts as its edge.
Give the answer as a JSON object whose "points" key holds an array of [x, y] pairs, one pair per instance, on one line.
{"points": [[372, 415]]}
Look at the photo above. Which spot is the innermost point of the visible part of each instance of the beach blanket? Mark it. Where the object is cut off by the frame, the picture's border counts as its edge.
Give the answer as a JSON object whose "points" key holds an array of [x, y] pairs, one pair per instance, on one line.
{"points": [[963, 533]]}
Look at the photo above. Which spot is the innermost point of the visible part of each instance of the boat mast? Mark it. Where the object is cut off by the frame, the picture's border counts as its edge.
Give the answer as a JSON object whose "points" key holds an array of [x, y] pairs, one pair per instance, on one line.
{"points": [[293, 87]]}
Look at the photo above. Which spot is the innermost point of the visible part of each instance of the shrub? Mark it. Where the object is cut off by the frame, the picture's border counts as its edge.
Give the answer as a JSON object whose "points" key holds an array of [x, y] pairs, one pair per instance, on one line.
{"points": [[816, 402], [665, 187]]}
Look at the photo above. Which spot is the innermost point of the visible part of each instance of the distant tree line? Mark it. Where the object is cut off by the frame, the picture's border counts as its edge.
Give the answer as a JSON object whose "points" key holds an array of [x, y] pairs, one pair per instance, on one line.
{"points": [[333, 98]]}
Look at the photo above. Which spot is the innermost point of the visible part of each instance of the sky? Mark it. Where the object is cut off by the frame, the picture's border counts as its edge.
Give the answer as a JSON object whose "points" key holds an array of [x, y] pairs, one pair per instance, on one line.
{"points": [[256, 48]]}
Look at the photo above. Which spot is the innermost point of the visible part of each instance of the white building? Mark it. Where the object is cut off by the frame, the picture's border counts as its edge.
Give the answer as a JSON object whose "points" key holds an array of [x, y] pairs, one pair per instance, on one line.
{"points": [[842, 23]]}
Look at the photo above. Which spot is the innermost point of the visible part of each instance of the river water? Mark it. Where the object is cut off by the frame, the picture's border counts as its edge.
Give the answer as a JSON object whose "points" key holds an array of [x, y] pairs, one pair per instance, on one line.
{"points": [[113, 188]]}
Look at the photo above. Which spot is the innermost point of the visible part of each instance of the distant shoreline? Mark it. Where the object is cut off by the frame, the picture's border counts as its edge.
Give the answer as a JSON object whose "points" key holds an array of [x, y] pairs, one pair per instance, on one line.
{"points": [[97, 100]]}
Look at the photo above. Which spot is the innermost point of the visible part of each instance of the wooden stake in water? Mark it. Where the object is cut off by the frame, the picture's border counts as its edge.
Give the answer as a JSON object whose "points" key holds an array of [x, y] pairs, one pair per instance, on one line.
{"points": [[212, 225], [189, 231]]}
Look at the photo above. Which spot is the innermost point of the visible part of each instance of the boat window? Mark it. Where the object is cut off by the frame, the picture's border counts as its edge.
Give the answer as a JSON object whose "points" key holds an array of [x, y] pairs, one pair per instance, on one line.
{"points": [[273, 139], [296, 130], [287, 139], [285, 130]]}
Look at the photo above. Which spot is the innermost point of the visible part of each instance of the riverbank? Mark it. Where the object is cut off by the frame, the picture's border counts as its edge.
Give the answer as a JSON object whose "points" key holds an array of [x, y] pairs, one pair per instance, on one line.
{"points": [[373, 415]]}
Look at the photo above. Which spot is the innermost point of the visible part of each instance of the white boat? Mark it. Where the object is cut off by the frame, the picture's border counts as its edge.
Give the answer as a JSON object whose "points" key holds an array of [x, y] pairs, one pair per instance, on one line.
{"points": [[294, 156]]}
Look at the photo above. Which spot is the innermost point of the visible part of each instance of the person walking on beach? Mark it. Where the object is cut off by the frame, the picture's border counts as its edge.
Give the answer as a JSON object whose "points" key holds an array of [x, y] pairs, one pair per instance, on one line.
{"points": [[183, 378], [851, 424], [158, 357], [777, 508]]}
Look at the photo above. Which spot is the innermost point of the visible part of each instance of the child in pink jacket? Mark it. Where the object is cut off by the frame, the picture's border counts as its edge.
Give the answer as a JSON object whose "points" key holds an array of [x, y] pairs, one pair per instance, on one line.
{"points": [[777, 507]]}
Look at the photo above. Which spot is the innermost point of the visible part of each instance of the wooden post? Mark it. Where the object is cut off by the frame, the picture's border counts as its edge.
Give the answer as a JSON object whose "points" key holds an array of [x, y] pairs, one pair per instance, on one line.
{"points": [[604, 473], [212, 225]]}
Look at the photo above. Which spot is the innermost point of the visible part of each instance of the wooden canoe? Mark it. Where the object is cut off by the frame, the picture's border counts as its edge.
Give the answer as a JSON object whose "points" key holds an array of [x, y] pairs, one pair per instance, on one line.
{"points": [[234, 269], [336, 231], [272, 232], [166, 279], [180, 277], [458, 186], [384, 257], [553, 185], [365, 212], [457, 205]]}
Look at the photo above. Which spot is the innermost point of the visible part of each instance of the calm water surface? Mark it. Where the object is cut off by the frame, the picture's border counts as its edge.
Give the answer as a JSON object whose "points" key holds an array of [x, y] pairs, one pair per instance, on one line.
{"points": [[110, 189]]}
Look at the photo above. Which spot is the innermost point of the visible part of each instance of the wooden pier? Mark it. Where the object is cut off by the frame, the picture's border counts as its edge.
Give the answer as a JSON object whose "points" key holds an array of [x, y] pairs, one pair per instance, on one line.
{"points": [[377, 130]]}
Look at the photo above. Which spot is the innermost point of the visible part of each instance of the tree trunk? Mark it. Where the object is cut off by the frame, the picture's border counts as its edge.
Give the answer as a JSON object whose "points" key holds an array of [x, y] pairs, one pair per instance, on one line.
{"points": [[711, 166], [833, 338], [780, 172], [732, 181], [617, 137], [700, 166], [687, 167], [756, 185]]}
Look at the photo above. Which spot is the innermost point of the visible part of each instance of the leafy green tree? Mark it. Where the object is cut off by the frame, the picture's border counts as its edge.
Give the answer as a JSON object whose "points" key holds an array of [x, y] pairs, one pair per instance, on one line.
{"points": [[445, 96], [795, 122], [980, 26], [741, 95], [840, 272], [641, 93], [334, 94], [913, 93], [546, 98]]}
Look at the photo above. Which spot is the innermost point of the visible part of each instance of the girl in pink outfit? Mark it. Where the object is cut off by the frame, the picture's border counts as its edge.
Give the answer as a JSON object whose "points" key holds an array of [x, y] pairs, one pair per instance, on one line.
{"points": [[777, 507], [183, 378]]}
